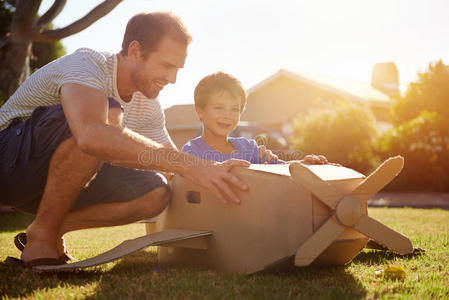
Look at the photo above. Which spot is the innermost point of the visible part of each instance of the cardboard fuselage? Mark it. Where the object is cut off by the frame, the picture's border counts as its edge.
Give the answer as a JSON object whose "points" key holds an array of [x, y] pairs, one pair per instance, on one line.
{"points": [[275, 217]]}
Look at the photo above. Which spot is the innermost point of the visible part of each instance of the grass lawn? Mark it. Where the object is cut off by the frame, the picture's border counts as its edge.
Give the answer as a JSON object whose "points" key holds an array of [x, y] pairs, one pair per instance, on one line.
{"points": [[140, 276]]}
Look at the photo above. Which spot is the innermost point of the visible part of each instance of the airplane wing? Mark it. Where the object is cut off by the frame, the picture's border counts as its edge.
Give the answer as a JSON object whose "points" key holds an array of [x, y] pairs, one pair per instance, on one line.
{"points": [[129, 247]]}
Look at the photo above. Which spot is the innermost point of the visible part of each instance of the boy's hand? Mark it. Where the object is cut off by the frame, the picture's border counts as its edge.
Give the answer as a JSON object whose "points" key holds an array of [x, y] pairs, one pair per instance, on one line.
{"points": [[215, 177], [312, 159], [268, 154]]}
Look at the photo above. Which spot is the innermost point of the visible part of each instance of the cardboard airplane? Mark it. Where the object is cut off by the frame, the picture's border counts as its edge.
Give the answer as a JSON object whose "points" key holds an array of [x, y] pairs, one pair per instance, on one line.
{"points": [[308, 214]]}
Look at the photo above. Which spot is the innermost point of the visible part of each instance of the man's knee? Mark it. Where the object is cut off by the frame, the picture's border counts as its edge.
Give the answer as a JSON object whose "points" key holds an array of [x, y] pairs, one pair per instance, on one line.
{"points": [[154, 202]]}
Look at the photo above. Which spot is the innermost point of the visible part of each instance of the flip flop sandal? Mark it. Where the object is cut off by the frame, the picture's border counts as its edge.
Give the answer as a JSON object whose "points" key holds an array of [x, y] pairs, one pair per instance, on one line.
{"points": [[20, 240], [18, 263]]}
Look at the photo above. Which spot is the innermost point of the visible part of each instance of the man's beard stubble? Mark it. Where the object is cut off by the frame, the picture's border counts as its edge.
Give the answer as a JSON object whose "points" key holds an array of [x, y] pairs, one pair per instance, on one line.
{"points": [[140, 84]]}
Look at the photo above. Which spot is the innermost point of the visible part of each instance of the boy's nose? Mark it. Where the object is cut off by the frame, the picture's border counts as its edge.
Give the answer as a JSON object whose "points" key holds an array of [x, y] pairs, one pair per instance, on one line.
{"points": [[228, 114]]}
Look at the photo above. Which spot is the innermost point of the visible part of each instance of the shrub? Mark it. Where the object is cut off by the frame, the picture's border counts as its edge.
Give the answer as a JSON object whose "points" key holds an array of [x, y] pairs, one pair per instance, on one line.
{"points": [[429, 92], [424, 143], [344, 133]]}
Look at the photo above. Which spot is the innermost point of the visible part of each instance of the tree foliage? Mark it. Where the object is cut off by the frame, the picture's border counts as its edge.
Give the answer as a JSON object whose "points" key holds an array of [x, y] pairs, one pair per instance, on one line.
{"points": [[344, 133], [26, 27], [429, 92], [424, 143], [421, 132]]}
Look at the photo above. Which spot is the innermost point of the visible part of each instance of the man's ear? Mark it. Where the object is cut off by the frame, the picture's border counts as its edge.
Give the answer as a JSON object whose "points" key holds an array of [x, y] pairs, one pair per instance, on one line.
{"points": [[134, 50]]}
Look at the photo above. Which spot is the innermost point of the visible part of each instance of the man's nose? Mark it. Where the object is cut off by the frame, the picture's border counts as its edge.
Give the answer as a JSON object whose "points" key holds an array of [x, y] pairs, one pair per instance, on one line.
{"points": [[171, 77]]}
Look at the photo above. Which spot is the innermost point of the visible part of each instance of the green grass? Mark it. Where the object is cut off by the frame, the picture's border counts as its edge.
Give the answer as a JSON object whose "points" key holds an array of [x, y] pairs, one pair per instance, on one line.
{"points": [[134, 276]]}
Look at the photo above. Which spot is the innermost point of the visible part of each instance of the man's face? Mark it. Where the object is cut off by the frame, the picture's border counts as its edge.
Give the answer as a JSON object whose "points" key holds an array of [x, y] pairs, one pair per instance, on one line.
{"points": [[160, 68]]}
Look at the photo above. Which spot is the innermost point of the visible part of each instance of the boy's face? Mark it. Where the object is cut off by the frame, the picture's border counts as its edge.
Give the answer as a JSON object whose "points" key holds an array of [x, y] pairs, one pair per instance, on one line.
{"points": [[221, 114]]}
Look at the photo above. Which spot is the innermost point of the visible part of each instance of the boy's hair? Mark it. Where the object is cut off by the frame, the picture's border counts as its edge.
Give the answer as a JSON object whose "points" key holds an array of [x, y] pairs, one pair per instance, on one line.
{"points": [[219, 82], [149, 28]]}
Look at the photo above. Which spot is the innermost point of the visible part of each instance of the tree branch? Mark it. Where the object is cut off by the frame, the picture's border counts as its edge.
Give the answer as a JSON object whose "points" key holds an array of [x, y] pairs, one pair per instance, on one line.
{"points": [[23, 19], [98, 12], [51, 14]]}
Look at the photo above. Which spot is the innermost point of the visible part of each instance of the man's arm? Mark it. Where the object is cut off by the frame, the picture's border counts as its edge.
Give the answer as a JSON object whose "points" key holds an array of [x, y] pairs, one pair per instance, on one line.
{"points": [[170, 144], [86, 113]]}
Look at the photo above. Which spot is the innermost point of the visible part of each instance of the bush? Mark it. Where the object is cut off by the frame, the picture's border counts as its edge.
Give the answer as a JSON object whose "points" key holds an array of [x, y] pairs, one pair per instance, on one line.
{"points": [[424, 143], [429, 92], [343, 133], [420, 135]]}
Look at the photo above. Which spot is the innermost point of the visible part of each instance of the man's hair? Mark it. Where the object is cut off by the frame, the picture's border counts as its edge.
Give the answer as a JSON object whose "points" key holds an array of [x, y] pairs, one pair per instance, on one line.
{"points": [[149, 28], [219, 82]]}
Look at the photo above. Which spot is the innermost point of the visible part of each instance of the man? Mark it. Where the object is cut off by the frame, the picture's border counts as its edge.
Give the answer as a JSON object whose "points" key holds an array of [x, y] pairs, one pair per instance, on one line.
{"points": [[67, 150]]}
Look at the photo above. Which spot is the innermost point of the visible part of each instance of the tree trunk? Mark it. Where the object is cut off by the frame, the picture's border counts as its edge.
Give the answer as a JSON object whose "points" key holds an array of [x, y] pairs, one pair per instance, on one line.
{"points": [[16, 46], [13, 58]]}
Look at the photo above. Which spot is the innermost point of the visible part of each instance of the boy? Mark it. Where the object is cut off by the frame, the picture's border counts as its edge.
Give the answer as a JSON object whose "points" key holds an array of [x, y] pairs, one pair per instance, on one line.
{"points": [[219, 101]]}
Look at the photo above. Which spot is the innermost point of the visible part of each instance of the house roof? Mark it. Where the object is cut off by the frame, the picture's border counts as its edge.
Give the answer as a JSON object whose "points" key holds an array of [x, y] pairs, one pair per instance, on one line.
{"points": [[348, 89]]}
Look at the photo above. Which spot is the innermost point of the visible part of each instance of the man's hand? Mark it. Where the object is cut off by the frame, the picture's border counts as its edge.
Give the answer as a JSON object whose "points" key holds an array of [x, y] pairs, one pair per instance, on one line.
{"points": [[215, 177], [312, 159], [268, 154], [167, 175]]}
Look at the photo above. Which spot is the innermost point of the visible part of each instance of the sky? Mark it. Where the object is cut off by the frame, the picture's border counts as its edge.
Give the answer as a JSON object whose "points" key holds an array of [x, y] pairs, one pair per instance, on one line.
{"points": [[252, 39]]}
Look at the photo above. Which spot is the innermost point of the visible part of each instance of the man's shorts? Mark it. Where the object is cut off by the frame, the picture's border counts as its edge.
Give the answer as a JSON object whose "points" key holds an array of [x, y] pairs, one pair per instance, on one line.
{"points": [[25, 152]]}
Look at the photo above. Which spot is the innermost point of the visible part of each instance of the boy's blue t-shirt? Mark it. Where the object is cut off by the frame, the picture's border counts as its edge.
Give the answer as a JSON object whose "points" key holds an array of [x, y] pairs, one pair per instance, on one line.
{"points": [[244, 149]]}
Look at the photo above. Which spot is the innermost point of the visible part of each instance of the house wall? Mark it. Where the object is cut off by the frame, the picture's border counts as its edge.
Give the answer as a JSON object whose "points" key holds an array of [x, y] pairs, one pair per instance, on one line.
{"points": [[281, 100], [181, 136]]}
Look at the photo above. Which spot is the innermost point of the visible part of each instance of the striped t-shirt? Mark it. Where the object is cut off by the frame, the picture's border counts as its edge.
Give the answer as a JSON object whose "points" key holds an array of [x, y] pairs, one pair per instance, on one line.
{"points": [[93, 69]]}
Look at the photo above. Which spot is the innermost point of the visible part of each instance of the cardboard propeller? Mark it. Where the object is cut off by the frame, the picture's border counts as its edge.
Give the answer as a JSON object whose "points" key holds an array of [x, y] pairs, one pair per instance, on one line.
{"points": [[347, 211]]}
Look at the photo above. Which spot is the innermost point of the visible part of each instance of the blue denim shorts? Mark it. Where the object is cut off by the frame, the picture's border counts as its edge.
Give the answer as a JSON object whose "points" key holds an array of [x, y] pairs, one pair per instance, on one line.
{"points": [[26, 148]]}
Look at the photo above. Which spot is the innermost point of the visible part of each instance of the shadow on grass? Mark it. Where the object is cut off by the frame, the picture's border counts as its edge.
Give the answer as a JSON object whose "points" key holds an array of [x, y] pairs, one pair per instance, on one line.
{"points": [[15, 221], [140, 276], [17, 282], [376, 257]]}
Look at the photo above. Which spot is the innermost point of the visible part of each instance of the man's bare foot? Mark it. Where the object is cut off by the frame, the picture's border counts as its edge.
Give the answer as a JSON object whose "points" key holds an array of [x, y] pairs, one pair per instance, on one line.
{"points": [[60, 243], [40, 244]]}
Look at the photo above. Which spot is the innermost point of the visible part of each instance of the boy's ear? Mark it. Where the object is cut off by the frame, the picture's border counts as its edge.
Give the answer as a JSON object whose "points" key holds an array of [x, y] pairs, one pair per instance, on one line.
{"points": [[199, 112]]}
